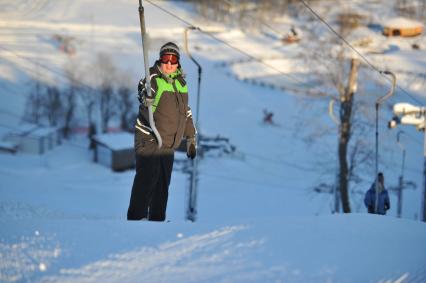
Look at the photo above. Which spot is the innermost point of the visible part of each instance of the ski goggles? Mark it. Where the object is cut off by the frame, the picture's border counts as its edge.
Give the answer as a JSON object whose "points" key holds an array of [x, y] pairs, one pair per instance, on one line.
{"points": [[166, 58]]}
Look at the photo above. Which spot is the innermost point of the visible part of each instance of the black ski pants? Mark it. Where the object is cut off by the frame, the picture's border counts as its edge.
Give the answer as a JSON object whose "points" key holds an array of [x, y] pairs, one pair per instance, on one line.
{"points": [[150, 189]]}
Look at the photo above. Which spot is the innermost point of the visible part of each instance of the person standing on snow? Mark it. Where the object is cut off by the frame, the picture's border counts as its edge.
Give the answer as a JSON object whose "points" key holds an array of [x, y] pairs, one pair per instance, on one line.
{"points": [[370, 197], [173, 120]]}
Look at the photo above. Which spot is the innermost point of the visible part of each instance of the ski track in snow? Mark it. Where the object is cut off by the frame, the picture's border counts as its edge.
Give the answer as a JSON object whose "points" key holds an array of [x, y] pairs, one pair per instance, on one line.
{"points": [[200, 258], [222, 255], [229, 254]]}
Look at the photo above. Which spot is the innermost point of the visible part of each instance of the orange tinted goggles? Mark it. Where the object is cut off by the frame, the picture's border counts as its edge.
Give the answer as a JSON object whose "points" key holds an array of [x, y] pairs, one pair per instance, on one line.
{"points": [[166, 58]]}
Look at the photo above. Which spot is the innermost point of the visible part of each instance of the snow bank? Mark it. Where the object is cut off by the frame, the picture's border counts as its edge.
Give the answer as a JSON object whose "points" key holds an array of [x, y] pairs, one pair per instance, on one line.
{"points": [[402, 23]]}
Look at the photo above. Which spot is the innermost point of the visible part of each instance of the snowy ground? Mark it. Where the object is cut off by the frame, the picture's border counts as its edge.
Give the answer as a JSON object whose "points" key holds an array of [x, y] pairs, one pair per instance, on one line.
{"points": [[71, 227], [62, 217]]}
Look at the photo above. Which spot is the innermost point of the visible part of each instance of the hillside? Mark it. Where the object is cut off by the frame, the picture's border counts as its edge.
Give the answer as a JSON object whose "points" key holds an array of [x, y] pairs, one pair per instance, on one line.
{"points": [[259, 219]]}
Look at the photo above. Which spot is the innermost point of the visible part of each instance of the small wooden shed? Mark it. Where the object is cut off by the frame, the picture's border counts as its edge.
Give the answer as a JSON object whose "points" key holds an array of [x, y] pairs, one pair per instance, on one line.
{"points": [[34, 139], [114, 150], [402, 27], [8, 147]]}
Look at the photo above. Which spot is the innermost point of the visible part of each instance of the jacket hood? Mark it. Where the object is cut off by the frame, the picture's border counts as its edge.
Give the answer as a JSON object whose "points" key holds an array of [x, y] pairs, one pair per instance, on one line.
{"points": [[381, 187]]}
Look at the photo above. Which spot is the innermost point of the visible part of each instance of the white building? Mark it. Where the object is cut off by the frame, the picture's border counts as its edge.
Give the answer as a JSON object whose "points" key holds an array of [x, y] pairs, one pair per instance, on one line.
{"points": [[33, 139], [115, 150]]}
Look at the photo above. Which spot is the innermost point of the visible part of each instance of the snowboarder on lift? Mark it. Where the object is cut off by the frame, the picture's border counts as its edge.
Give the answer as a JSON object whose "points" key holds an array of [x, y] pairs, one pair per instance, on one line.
{"points": [[173, 119], [370, 197]]}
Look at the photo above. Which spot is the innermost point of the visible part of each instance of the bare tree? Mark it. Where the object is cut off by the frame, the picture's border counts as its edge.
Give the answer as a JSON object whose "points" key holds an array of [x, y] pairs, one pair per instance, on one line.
{"points": [[126, 102], [88, 96], [338, 73], [411, 9], [82, 81], [246, 14], [69, 96], [346, 107], [44, 105], [52, 105], [107, 105], [33, 107], [106, 77]]}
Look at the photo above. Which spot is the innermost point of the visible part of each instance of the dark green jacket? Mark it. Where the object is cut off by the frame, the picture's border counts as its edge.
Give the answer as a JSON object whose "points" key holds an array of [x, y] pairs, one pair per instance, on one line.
{"points": [[172, 114]]}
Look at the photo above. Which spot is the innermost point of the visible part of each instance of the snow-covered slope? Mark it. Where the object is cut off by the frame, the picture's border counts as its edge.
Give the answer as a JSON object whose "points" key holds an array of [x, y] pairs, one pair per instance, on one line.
{"points": [[62, 217]]}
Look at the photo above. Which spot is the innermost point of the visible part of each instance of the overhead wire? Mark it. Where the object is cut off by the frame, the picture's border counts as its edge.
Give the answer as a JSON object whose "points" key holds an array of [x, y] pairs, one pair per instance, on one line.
{"points": [[35, 62], [57, 72], [239, 50], [251, 182], [381, 72], [227, 44], [294, 79], [235, 48], [281, 162], [32, 137]]}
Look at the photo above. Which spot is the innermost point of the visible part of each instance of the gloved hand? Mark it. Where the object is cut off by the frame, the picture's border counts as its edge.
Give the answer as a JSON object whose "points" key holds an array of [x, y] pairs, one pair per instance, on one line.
{"points": [[191, 147], [141, 91], [142, 97]]}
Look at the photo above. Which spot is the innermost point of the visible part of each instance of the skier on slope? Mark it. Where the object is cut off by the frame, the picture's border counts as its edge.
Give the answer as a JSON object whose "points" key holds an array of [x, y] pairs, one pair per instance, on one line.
{"points": [[370, 197], [173, 119]]}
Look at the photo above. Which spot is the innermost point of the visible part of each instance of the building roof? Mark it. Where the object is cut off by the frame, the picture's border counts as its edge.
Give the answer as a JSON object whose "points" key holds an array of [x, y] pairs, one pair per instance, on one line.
{"points": [[116, 141], [402, 23], [43, 131], [31, 130], [8, 146]]}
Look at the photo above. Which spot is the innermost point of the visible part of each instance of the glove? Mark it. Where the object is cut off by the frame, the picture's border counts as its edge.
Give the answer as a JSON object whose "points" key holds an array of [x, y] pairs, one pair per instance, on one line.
{"points": [[191, 147], [142, 97], [141, 91]]}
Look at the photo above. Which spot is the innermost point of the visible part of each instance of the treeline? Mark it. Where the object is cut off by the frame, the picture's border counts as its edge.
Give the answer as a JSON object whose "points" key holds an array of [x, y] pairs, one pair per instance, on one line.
{"points": [[249, 14], [91, 95], [246, 14]]}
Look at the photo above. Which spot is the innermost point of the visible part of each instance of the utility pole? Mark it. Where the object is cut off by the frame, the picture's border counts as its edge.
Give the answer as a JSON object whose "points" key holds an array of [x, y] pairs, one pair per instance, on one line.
{"points": [[401, 184], [408, 114], [424, 165], [191, 212], [379, 101], [401, 177]]}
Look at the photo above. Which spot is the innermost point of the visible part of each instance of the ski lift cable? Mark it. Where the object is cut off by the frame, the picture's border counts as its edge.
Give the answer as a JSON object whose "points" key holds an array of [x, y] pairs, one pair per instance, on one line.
{"points": [[281, 162], [9, 89], [231, 46], [357, 52], [57, 72], [34, 62], [31, 71], [225, 43], [10, 114], [32, 137], [251, 182]]}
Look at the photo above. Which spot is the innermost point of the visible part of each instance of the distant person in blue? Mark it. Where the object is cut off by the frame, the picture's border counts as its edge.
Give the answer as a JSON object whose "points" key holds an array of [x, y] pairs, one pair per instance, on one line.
{"points": [[370, 197]]}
